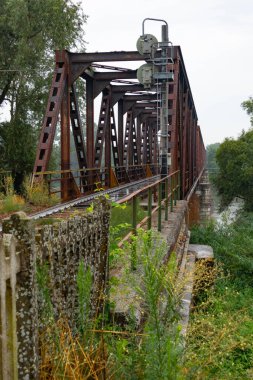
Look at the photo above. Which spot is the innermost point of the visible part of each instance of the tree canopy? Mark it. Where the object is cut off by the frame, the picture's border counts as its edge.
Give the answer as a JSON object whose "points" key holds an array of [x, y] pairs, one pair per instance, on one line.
{"points": [[211, 156], [247, 105], [30, 31], [235, 176]]}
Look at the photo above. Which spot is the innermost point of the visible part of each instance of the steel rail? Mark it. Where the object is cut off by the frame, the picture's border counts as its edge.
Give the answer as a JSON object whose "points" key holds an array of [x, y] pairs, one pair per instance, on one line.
{"points": [[87, 198]]}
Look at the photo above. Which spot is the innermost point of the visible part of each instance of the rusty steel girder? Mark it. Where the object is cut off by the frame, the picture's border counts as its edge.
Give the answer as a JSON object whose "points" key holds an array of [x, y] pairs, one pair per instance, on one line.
{"points": [[131, 139]]}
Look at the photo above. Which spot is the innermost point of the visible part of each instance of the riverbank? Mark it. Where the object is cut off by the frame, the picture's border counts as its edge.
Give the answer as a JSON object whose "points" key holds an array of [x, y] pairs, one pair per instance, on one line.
{"points": [[219, 343]]}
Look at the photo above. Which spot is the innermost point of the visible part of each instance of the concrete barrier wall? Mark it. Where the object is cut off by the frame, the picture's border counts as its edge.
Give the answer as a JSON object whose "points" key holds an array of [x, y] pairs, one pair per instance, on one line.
{"points": [[60, 247]]}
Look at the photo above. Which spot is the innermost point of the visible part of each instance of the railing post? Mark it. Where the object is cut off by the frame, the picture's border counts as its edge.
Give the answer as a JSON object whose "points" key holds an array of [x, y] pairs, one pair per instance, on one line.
{"points": [[172, 193], [22, 227], [178, 185], [175, 189], [159, 227], [134, 231], [166, 198], [149, 208]]}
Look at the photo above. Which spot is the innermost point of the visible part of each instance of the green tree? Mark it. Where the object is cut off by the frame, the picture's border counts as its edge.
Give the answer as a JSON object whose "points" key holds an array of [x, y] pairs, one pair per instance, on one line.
{"points": [[211, 156], [247, 105], [30, 31], [235, 177]]}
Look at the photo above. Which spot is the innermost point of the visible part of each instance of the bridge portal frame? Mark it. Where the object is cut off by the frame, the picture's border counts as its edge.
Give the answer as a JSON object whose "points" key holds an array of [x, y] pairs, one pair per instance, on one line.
{"points": [[136, 143]]}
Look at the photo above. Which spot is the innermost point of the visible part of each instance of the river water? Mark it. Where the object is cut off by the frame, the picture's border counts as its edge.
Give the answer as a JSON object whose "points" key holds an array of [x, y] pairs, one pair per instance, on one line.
{"points": [[230, 214]]}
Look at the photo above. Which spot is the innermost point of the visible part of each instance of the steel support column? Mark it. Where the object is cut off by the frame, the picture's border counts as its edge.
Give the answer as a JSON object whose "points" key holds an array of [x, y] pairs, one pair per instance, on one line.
{"points": [[65, 143]]}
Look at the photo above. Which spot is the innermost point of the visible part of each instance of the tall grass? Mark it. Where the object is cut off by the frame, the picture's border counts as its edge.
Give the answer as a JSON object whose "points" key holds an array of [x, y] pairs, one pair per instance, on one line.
{"points": [[9, 201]]}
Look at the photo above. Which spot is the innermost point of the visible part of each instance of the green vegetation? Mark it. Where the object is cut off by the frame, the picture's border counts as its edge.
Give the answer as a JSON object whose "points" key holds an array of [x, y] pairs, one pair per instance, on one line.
{"points": [[211, 162], [234, 158], [157, 352], [36, 195], [9, 201], [100, 346], [247, 105], [235, 176], [121, 218], [211, 150], [219, 342]]}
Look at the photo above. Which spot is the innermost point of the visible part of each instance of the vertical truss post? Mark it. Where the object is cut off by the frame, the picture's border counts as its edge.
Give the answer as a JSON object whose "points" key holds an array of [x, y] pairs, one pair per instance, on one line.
{"points": [[120, 131], [144, 143], [184, 187], [65, 142], [90, 122], [138, 139], [78, 135], [164, 107], [107, 142], [90, 130], [52, 112]]}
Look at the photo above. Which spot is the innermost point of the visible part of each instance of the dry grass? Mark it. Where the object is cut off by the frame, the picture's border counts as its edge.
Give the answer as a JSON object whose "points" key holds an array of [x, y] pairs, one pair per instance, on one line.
{"points": [[66, 356]]}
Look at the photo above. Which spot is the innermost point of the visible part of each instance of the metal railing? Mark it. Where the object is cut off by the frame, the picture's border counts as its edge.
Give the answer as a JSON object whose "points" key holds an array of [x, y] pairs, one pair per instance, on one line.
{"points": [[89, 180], [163, 193]]}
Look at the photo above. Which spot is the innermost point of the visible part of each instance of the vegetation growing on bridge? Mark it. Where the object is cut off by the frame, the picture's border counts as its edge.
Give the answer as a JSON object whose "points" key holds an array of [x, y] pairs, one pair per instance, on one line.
{"points": [[33, 197], [102, 347]]}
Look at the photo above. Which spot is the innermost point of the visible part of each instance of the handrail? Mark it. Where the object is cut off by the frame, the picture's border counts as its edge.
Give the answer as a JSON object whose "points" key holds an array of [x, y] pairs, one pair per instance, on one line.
{"points": [[189, 195], [137, 192], [168, 194], [88, 178]]}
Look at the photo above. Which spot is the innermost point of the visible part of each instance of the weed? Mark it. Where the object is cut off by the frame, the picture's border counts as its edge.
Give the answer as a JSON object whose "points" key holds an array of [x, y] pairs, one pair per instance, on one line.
{"points": [[9, 186], [116, 351], [11, 203], [156, 354], [37, 194]]}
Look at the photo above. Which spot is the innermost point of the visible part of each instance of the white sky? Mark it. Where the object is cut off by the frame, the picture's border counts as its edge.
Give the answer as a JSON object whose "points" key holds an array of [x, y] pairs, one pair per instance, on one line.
{"points": [[216, 38]]}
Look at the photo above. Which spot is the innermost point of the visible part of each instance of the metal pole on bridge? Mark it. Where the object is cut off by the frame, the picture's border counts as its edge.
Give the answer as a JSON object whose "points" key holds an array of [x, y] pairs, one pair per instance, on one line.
{"points": [[148, 73], [164, 104]]}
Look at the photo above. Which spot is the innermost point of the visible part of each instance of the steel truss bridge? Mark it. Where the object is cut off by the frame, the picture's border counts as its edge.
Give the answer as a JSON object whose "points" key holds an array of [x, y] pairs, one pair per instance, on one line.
{"points": [[126, 146]]}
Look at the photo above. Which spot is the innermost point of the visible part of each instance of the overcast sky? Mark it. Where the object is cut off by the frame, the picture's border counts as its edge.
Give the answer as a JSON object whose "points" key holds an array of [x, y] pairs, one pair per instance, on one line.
{"points": [[216, 38]]}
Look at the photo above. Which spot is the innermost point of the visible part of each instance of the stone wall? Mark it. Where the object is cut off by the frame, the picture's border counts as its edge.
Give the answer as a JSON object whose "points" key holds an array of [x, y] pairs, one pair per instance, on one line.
{"points": [[200, 202], [60, 247]]}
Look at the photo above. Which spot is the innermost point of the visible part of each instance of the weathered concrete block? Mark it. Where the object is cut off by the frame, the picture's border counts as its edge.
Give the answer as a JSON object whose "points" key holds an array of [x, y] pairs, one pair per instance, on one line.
{"points": [[60, 247]]}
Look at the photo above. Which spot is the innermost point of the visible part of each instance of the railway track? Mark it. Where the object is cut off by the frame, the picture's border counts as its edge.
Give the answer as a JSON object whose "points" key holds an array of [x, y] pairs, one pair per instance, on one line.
{"points": [[115, 194]]}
